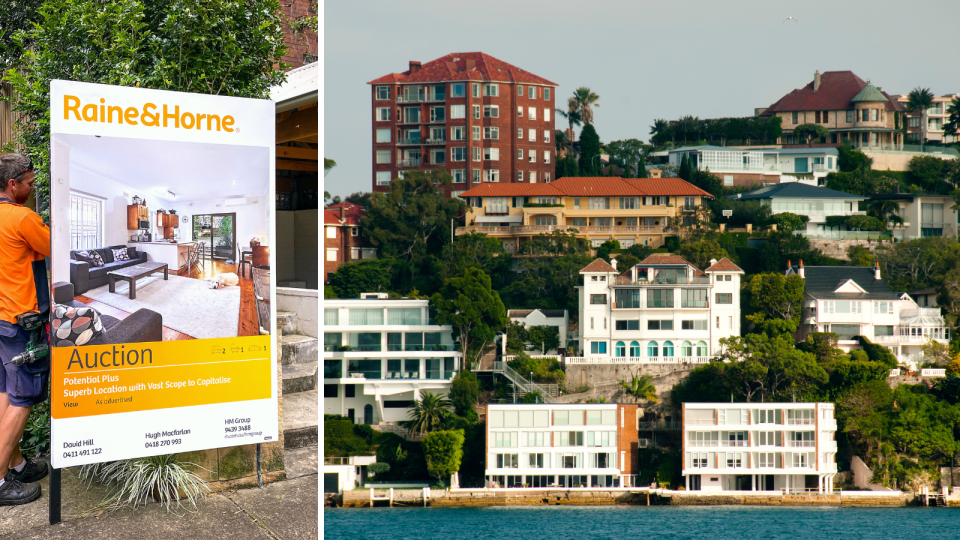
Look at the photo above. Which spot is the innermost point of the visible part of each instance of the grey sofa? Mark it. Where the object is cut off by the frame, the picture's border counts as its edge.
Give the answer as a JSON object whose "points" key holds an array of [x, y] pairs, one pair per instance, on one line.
{"points": [[141, 326], [84, 277]]}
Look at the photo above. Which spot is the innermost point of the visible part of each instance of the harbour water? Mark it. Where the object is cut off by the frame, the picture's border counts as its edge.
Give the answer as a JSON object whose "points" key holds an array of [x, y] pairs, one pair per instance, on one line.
{"points": [[627, 522]]}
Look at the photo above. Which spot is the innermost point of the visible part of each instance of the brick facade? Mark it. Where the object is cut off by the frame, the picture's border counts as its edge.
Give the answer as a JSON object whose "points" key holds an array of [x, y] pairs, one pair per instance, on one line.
{"points": [[341, 233], [304, 48], [628, 439]]}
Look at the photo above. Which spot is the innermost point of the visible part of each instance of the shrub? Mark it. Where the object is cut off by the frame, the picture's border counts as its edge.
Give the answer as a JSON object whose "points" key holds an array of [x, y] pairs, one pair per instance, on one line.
{"points": [[464, 392], [36, 437], [135, 481]]}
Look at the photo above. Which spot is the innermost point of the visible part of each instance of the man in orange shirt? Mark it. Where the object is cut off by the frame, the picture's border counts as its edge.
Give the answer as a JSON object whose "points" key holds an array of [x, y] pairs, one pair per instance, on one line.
{"points": [[24, 242]]}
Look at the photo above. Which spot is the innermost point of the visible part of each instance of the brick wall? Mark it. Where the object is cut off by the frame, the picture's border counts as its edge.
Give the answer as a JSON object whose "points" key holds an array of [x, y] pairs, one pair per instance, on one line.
{"points": [[343, 242], [298, 45], [629, 439]]}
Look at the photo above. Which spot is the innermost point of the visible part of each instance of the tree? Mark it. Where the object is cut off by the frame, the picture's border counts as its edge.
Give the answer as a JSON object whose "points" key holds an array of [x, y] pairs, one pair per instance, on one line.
{"points": [[567, 167], [789, 222], [850, 159], [658, 132], [363, 276], [561, 143], [932, 174], [860, 256], [545, 338], [16, 17], [464, 392], [864, 223], [706, 181], [548, 280], [582, 102], [589, 151], [626, 154], [700, 253], [220, 48], [809, 132], [443, 451], [952, 127], [684, 168], [475, 310], [328, 165], [771, 366], [544, 370], [777, 300], [642, 169], [574, 118], [886, 210], [823, 346], [474, 250], [919, 100], [427, 413], [412, 220], [936, 353], [608, 248], [641, 387]]}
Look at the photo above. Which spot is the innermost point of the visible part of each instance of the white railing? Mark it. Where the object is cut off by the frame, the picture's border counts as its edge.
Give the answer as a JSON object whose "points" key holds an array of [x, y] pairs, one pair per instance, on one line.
{"points": [[638, 360], [801, 444], [520, 229], [408, 162], [895, 372], [909, 339], [536, 357], [842, 235], [933, 373], [919, 312]]}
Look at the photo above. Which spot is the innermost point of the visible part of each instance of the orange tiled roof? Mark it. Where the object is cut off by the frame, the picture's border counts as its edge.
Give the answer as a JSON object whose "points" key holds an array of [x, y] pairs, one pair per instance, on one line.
{"points": [[598, 265], [724, 265], [664, 258], [599, 186], [468, 66]]}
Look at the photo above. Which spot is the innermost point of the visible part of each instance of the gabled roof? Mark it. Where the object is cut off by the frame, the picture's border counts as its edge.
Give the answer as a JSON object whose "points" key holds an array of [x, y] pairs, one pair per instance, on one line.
{"points": [[468, 66], [820, 282], [837, 90], [724, 265], [795, 190], [598, 265], [351, 214], [599, 186]]}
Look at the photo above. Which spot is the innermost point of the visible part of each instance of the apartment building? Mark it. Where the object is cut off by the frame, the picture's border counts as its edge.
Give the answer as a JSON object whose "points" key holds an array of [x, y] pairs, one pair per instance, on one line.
{"points": [[756, 167], [482, 119], [663, 310], [380, 353], [576, 445], [343, 240], [759, 446], [630, 210], [816, 203], [924, 214], [937, 116], [852, 110], [855, 301]]}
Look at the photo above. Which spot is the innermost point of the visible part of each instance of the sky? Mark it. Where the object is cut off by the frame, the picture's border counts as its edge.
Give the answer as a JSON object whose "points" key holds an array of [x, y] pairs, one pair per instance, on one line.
{"points": [[646, 60]]}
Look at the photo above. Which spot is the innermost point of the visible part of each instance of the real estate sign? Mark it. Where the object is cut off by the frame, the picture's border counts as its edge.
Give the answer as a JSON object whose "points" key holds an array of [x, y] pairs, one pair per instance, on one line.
{"points": [[158, 345]]}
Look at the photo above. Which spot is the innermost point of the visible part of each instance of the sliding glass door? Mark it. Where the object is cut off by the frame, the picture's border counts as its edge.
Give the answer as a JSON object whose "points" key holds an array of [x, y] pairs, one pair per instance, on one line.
{"points": [[217, 233]]}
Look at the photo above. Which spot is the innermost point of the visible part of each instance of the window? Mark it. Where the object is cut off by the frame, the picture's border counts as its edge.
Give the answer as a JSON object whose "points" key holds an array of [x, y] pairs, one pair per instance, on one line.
{"points": [[620, 349], [545, 221], [491, 111], [724, 298], [476, 111], [628, 203], [536, 461], [599, 203], [598, 347], [627, 325], [659, 298], [532, 156], [849, 117], [491, 90], [532, 92], [476, 133], [476, 179], [693, 325], [546, 135], [519, 133], [458, 153], [383, 135], [701, 348], [865, 115], [883, 308], [476, 153], [533, 135], [519, 176], [438, 114], [718, 323], [843, 306], [519, 111], [571, 438], [728, 179], [519, 90], [458, 133], [625, 298], [546, 115], [383, 156], [457, 90], [546, 93], [533, 177], [794, 119], [491, 133], [695, 298], [689, 203], [668, 347], [665, 324], [686, 348], [491, 175], [86, 222], [520, 153], [598, 299], [498, 205], [491, 154], [383, 178], [459, 176], [874, 113], [383, 92], [383, 114], [458, 112], [653, 349], [505, 439], [532, 113], [546, 180]]}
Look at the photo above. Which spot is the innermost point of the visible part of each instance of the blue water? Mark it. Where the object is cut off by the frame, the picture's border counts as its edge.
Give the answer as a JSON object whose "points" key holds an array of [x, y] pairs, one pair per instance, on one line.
{"points": [[631, 522]]}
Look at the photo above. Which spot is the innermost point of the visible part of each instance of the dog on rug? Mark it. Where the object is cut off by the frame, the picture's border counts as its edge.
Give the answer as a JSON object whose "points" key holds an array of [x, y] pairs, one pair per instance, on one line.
{"points": [[227, 279]]}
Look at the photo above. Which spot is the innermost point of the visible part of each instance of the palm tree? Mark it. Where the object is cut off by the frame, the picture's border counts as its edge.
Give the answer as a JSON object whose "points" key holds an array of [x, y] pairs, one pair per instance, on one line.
{"points": [[583, 101], [327, 165], [658, 130], [562, 143], [573, 118], [952, 127], [428, 412], [920, 99], [886, 210], [641, 387]]}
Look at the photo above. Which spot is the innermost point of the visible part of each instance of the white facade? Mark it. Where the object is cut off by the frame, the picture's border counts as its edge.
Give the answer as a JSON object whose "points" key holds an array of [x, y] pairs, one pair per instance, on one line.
{"points": [[780, 165], [759, 446], [577, 445], [537, 317], [344, 473], [379, 354], [658, 312]]}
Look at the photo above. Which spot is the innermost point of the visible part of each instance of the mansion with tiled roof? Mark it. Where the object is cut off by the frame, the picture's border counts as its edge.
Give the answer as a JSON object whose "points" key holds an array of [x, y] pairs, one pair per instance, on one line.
{"points": [[630, 210], [482, 119], [852, 110], [662, 310]]}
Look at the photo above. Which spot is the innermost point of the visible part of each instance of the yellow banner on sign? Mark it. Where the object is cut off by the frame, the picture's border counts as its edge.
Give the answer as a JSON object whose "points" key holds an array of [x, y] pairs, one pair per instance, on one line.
{"points": [[108, 379]]}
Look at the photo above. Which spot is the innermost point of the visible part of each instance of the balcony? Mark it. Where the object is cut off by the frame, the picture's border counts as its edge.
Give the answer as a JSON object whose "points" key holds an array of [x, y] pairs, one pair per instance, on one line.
{"points": [[435, 141], [408, 162], [820, 168], [426, 98], [694, 303], [801, 444], [546, 229], [571, 360], [409, 141], [674, 280]]}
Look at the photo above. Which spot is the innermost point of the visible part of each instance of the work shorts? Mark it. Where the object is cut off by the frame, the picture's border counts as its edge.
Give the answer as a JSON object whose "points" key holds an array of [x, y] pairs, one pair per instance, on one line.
{"points": [[24, 384]]}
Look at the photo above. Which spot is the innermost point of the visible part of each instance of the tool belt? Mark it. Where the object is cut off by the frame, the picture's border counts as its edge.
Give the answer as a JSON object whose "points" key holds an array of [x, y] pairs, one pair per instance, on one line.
{"points": [[37, 348]]}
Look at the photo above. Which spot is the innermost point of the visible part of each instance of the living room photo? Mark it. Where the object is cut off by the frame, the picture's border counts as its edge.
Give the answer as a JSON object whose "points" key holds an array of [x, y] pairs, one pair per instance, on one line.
{"points": [[166, 240]]}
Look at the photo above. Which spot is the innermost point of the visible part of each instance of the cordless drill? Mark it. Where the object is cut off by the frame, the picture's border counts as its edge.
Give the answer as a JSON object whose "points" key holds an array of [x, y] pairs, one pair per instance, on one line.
{"points": [[32, 322]]}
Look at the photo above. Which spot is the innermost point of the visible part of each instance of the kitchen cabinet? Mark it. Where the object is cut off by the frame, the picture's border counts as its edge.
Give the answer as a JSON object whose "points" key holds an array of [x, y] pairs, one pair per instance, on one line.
{"points": [[136, 212]]}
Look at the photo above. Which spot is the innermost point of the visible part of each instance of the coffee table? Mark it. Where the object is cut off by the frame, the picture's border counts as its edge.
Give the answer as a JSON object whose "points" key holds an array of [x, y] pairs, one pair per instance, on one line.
{"points": [[131, 274]]}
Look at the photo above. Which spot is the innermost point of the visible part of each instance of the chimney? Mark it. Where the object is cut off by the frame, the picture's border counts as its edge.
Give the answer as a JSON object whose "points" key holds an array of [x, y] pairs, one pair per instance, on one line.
{"points": [[876, 270], [613, 263], [801, 270], [414, 67], [713, 262], [341, 214], [788, 264], [816, 81]]}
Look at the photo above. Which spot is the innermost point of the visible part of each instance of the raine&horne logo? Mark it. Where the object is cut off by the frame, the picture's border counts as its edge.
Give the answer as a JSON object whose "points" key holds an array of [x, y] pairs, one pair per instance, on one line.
{"points": [[149, 114]]}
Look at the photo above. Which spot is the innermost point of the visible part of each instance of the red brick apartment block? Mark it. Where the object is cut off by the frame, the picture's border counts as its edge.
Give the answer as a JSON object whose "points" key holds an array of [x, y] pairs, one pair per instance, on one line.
{"points": [[480, 118], [343, 240]]}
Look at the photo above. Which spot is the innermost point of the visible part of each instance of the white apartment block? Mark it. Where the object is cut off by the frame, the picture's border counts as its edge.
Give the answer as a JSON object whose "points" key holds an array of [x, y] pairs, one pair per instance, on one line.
{"points": [[379, 354], [576, 445], [855, 301], [759, 446], [663, 310]]}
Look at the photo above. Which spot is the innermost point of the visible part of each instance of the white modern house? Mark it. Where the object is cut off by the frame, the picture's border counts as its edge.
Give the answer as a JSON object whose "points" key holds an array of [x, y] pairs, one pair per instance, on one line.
{"points": [[924, 214], [345, 473], [760, 166], [575, 445], [543, 317], [759, 446], [663, 310], [380, 353], [855, 301], [817, 203]]}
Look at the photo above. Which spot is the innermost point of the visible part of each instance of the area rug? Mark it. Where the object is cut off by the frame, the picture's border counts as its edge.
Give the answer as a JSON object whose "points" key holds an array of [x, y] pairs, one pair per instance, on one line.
{"points": [[187, 305]]}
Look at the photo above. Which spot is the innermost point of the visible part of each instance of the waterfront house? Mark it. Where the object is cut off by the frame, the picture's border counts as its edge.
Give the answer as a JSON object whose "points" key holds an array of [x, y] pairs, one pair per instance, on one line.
{"points": [[755, 167], [569, 445], [630, 210], [924, 214], [379, 353], [759, 446], [817, 203], [663, 310], [855, 301]]}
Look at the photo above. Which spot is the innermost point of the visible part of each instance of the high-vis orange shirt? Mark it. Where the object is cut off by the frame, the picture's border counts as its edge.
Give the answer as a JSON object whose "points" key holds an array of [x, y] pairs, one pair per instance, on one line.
{"points": [[23, 239]]}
